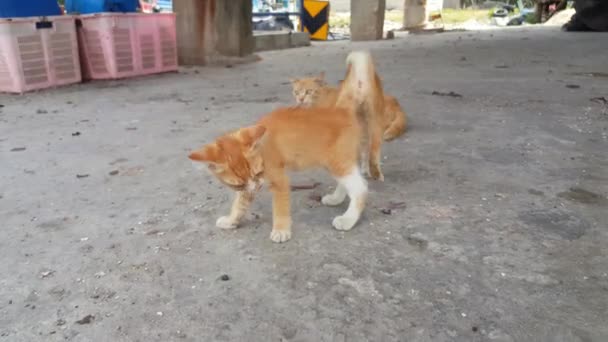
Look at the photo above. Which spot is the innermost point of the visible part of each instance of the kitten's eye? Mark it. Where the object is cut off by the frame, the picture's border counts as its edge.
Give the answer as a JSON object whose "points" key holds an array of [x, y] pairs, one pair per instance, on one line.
{"points": [[308, 92]]}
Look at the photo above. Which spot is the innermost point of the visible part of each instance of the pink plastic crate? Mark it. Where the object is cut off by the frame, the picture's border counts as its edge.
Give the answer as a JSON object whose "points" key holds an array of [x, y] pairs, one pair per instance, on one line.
{"points": [[37, 53], [118, 45]]}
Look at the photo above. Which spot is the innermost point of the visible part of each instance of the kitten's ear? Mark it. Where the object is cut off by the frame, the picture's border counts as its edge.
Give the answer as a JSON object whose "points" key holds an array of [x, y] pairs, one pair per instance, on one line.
{"points": [[207, 154], [210, 155], [321, 76], [253, 136]]}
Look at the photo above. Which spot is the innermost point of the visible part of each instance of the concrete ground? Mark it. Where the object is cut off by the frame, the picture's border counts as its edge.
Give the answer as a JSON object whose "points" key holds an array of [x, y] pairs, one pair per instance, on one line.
{"points": [[108, 231]]}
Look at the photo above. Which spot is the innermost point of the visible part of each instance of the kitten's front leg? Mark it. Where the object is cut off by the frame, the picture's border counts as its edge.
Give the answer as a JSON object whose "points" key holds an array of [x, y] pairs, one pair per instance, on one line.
{"points": [[281, 211], [241, 203]]}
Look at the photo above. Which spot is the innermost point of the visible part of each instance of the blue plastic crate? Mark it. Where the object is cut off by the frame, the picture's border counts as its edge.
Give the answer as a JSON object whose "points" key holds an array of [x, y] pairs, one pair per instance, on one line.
{"points": [[28, 8], [100, 6], [165, 5]]}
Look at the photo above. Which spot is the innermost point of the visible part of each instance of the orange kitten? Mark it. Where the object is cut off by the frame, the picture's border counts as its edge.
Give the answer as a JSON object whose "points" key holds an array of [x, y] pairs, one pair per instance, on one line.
{"points": [[315, 91], [293, 139], [361, 92]]}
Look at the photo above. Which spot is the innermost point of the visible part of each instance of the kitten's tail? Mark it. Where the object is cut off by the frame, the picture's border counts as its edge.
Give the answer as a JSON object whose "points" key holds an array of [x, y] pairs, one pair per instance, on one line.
{"points": [[361, 83], [398, 118]]}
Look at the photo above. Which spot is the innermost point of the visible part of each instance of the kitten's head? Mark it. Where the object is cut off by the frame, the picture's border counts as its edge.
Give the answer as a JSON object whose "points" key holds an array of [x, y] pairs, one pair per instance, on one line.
{"points": [[235, 158], [305, 90]]}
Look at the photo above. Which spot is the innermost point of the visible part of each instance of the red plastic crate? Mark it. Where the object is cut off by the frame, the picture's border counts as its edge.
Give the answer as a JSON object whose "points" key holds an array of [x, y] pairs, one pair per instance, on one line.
{"points": [[119, 45], [37, 53]]}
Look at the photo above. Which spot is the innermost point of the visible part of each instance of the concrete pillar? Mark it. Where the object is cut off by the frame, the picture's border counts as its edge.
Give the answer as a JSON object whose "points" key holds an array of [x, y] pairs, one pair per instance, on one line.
{"points": [[234, 27], [367, 19], [415, 14], [213, 28]]}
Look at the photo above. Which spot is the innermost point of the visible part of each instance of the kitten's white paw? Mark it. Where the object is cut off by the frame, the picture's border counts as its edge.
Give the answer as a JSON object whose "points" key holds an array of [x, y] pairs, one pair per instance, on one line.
{"points": [[279, 236], [344, 222], [225, 222], [331, 200]]}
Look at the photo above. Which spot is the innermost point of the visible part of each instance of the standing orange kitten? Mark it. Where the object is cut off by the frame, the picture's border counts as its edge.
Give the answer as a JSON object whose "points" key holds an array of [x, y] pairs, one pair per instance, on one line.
{"points": [[295, 139], [314, 91], [361, 92]]}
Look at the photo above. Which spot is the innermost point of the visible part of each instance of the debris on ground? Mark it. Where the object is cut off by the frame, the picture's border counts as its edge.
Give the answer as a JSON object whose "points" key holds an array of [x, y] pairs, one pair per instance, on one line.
{"points": [[297, 187], [450, 94], [573, 86], [418, 240], [386, 211], [315, 197], [225, 277], [600, 100], [396, 205], [75, 134], [17, 149], [113, 173], [85, 175], [85, 320], [46, 274]]}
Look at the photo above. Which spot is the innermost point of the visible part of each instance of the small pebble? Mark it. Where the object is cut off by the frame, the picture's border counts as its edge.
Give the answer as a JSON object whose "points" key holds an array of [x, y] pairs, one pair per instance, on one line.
{"points": [[225, 277]]}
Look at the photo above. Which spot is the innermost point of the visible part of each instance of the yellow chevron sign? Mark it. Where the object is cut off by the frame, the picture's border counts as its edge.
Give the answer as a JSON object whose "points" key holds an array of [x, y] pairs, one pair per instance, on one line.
{"points": [[315, 19]]}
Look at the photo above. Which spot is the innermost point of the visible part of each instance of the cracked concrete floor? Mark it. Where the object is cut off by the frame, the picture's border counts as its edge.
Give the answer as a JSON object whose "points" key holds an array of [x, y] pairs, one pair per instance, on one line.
{"points": [[108, 232]]}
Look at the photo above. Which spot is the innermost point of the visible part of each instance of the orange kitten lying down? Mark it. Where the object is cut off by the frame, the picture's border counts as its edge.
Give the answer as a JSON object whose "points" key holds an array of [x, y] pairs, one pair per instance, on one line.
{"points": [[293, 139]]}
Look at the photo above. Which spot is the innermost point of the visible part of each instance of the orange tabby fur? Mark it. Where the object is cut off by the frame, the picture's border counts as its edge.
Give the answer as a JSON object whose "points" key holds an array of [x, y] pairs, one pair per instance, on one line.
{"points": [[361, 92], [296, 139], [315, 91]]}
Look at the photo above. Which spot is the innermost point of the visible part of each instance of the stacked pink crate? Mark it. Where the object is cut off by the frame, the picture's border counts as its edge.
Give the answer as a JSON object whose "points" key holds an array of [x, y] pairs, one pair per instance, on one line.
{"points": [[118, 45], [38, 53]]}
